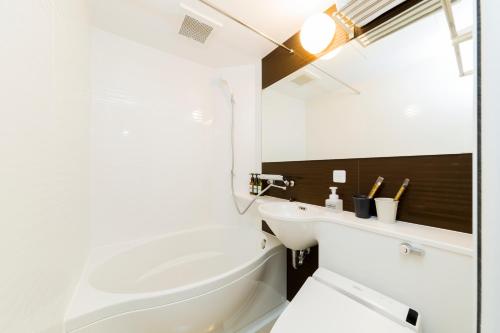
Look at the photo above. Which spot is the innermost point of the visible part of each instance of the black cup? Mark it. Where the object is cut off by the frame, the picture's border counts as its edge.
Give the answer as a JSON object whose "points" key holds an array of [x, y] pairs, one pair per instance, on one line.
{"points": [[362, 206]]}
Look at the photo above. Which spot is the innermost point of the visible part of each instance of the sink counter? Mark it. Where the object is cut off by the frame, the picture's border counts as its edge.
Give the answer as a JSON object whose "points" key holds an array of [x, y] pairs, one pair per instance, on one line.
{"points": [[454, 241]]}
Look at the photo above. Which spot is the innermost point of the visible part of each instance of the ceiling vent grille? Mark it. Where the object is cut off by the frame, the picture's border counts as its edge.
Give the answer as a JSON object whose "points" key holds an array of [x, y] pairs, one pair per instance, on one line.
{"points": [[303, 79], [194, 29]]}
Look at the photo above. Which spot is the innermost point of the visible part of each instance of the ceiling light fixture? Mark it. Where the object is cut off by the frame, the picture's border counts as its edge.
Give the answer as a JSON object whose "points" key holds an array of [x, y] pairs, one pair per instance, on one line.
{"points": [[317, 33], [332, 54]]}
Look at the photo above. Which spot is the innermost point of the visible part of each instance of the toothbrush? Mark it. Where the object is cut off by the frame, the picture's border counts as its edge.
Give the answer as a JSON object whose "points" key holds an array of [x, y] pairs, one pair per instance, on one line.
{"points": [[375, 187], [402, 189]]}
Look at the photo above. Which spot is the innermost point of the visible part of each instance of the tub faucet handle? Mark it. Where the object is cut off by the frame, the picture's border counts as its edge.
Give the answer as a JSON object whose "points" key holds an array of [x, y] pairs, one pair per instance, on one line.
{"points": [[407, 249]]}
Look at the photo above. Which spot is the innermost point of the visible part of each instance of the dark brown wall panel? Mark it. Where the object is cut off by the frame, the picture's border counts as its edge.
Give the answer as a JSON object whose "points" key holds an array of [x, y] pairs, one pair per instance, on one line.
{"points": [[440, 191], [313, 179], [439, 195], [295, 278]]}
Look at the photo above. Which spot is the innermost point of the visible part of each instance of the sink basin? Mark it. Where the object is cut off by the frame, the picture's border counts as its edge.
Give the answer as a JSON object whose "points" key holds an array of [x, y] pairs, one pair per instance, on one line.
{"points": [[292, 222]]}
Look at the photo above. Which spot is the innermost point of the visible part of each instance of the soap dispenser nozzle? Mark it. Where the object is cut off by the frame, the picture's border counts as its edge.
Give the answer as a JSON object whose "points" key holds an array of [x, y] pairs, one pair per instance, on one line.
{"points": [[333, 194]]}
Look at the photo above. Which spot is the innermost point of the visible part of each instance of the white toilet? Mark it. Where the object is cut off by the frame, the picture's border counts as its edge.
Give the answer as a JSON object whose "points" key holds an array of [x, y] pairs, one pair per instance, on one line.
{"points": [[328, 302]]}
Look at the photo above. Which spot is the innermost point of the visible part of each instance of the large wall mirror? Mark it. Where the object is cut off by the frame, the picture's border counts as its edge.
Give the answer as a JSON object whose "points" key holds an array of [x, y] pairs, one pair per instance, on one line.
{"points": [[411, 101]]}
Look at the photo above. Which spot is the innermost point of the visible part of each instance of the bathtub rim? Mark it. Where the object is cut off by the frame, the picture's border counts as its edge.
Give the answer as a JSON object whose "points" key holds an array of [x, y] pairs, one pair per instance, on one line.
{"points": [[90, 305], [126, 247]]}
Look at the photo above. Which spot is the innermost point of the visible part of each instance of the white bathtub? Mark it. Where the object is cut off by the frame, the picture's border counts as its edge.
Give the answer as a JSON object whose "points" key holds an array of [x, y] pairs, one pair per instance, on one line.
{"points": [[212, 279]]}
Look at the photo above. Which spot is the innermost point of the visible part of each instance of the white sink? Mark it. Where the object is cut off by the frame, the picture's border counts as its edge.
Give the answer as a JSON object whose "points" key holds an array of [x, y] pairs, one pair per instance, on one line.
{"points": [[292, 222]]}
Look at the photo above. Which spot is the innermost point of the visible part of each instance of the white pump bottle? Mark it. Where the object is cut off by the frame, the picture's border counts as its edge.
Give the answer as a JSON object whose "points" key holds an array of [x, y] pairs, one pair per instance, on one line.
{"points": [[333, 202]]}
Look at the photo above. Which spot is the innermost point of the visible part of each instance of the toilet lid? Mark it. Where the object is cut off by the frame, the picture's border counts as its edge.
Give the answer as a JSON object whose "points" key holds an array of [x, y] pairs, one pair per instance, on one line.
{"points": [[320, 309]]}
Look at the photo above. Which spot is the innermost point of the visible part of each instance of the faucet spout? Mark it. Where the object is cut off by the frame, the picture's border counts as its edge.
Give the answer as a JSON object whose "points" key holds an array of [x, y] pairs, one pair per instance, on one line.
{"points": [[277, 186]]}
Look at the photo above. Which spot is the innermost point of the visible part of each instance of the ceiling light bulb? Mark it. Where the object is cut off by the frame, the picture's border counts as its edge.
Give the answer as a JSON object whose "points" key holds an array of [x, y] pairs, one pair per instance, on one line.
{"points": [[317, 33], [332, 54]]}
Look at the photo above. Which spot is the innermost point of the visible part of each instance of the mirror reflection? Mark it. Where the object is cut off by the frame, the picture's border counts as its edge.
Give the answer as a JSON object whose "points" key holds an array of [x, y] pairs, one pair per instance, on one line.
{"points": [[411, 101]]}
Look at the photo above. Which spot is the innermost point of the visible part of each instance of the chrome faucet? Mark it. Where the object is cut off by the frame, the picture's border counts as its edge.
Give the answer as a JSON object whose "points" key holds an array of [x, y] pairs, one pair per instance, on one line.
{"points": [[277, 186], [288, 183], [270, 183], [273, 178]]}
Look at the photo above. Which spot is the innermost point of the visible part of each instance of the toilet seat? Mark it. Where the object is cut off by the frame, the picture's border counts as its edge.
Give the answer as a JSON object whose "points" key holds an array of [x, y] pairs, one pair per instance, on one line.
{"points": [[328, 302]]}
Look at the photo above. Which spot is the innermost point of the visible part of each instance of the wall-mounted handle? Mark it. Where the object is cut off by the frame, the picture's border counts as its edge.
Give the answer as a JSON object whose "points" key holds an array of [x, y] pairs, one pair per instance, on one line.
{"points": [[407, 249], [266, 176], [280, 178]]}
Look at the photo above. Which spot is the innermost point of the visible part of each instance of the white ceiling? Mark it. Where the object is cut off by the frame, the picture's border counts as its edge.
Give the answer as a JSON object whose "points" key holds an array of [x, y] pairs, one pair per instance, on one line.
{"points": [[156, 23]]}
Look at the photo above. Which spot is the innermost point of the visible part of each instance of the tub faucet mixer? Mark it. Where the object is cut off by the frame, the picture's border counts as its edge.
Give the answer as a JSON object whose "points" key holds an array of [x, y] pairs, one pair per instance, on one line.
{"points": [[271, 179], [270, 183], [277, 186]]}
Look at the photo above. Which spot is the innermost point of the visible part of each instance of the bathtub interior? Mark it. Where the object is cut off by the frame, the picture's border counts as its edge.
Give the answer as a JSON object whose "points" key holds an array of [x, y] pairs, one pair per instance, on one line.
{"points": [[238, 306], [177, 260], [179, 267]]}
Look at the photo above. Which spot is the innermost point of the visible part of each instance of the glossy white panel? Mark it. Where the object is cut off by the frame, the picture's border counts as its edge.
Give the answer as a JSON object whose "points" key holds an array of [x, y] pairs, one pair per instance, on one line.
{"points": [[44, 172], [244, 81], [152, 150], [160, 140]]}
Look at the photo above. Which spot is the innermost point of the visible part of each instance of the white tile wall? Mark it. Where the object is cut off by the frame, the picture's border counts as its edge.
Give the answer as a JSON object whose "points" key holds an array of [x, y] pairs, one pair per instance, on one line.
{"points": [[160, 140], [245, 83], [44, 168]]}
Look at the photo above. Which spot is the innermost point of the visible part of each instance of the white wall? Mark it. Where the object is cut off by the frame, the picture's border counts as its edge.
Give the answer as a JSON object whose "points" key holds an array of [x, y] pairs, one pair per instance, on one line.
{"points": [[490, 166], [160, 140], [152, 118], [422, 109], [44, 91], [283, 127], [244, 81]]}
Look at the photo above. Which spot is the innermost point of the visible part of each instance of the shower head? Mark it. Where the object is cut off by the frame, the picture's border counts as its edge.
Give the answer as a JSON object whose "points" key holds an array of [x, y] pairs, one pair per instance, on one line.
{"points": [[225, 86]]}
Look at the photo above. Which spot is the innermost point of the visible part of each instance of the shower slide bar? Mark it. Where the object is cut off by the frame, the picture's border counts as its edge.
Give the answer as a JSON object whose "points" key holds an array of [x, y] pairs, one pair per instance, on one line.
{"points": [[226, 14]]}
